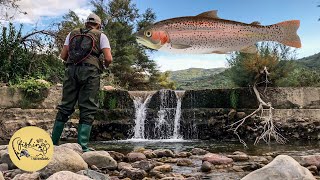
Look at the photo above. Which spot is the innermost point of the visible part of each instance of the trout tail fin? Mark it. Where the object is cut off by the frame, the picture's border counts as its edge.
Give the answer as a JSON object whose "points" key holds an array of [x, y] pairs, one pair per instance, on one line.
{"points": [[291, 37]]}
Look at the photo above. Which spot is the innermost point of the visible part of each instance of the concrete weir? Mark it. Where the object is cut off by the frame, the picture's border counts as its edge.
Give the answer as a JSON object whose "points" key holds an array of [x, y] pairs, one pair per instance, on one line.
{"points": [[166, 114]]}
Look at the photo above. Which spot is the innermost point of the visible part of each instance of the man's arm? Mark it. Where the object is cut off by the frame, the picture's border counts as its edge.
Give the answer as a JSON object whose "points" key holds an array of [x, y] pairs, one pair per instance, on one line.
{"points": [[107, 56], [64, 53]]}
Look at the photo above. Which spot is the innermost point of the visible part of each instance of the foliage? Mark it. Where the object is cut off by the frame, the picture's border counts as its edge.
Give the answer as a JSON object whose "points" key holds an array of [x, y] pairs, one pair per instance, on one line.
{"points": [[164, 81], [247, 69], [301, 77], [312, 62], [33, 88], [234, 97]]}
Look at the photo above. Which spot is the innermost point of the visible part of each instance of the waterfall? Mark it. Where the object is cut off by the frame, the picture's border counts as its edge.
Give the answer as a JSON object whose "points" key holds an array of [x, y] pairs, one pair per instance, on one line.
{"points": [[140, 103], [165, 121]]}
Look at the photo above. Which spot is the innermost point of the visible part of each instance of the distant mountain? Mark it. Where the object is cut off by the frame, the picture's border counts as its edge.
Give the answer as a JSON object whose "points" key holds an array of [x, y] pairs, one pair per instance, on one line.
{"points": [[311, 61], [198, 78]]}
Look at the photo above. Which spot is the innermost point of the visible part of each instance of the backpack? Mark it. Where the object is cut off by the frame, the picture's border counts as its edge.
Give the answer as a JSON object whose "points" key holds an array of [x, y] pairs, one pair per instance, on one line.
{"points": [[81, 46]]}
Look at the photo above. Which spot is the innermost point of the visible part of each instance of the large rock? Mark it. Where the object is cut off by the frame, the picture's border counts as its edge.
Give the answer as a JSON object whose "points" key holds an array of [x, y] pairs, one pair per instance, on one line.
{"points": [[310, 160], [282, 167], [136, 156], [123, 165], [149, 154], [74, 146], [4, 167], [163, 168], [94, 175], [1, 176], [206, 166], [239, 156], [64, 159], [116, 155], [184, 162], [29, 176], [217, 159], [163, 153], [199, 151], [133, 173], [144, 165], [67, 175], [5, 158], [100, 159]]}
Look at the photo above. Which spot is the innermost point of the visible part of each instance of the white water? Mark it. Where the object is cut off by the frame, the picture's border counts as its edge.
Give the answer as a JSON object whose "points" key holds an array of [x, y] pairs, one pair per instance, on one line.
{"points": [[140, 116], [176, 132]]}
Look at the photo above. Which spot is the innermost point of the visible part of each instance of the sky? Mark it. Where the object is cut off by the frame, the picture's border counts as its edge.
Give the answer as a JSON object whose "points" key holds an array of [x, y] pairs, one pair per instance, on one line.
{"points": [[42, 12]]}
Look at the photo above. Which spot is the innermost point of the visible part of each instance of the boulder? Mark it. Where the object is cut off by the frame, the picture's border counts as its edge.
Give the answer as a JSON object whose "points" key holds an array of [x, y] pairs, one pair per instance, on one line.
{"points": [[5, 158], [217, 159], [184, 154], [94, 174], [163, 168], [1, 176], [163, 153], [29, 176], [282, 167], [116, 155], [310, 160], [67, 175], [100, 159], [123, 165], [144, 165], [133, 173], [136, 156], [74, 146], [64, 159], [239, 156], [4, 167], [206, 166], [184, 162], [149, 154], [199, 151]]}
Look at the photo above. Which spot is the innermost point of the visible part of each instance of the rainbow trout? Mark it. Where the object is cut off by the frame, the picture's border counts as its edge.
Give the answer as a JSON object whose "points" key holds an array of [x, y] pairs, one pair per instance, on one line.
{"points": [[206, 33]]}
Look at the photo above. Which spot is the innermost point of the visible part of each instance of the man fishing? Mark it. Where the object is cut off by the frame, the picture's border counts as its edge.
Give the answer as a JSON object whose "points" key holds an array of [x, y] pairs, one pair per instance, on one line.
{"points": [[81, 52]]}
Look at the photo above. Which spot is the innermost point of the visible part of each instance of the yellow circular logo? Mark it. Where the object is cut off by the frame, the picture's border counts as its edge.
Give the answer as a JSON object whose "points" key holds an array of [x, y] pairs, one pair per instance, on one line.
{"points": [[30, 148]]}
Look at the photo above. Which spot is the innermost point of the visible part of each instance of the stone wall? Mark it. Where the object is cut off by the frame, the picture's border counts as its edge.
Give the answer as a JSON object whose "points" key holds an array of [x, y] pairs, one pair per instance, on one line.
{"points": [[206, 114]]}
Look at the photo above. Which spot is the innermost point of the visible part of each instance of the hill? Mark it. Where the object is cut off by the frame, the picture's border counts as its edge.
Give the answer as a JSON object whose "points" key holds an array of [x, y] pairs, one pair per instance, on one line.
{"points": [[311, 61], [198, 78]]}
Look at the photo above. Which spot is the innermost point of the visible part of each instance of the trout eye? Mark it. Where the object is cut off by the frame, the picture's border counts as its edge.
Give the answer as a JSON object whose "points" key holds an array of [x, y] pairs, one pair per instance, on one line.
{"points": [[148, 33]]}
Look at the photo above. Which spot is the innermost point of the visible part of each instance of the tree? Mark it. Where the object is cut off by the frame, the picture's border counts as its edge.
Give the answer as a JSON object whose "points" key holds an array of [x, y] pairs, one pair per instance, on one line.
{"points": [[264, 68]]}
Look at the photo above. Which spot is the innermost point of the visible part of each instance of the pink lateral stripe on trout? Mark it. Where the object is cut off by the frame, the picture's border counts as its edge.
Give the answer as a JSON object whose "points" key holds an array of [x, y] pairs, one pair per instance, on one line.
{"points": [[206, 33]]}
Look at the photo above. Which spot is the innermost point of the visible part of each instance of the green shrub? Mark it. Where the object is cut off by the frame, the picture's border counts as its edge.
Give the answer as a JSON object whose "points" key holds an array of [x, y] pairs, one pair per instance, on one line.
{"points": [[34, 89]]}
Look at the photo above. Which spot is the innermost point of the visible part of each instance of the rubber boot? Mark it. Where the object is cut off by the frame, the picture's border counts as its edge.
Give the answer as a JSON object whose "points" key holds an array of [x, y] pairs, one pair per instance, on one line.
{"points": [[57, 131], [84, 131]]}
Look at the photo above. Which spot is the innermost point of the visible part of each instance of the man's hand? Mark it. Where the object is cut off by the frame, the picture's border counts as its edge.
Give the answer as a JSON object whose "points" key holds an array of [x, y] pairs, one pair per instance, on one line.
{"points": [[107, 57]]}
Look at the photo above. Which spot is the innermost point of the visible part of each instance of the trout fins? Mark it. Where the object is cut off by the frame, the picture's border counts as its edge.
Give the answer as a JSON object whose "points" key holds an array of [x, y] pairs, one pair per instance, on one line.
{"points": [[290, 29]]}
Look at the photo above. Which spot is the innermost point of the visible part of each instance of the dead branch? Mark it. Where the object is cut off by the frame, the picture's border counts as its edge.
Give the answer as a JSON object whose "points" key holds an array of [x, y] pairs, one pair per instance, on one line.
{"points": [[269, 128]]}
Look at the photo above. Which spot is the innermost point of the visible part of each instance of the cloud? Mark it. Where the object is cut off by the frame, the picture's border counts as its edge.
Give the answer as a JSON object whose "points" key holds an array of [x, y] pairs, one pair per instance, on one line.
{"points": [[38, 9], [175, 62]]}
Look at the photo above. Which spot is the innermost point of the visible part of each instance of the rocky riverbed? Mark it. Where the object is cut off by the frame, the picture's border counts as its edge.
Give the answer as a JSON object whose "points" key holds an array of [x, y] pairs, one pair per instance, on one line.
{"points": [[143, 163]]}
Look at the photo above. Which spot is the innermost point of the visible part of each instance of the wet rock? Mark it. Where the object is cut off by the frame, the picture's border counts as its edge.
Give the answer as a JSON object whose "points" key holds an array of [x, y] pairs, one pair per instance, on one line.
{"points": [[67, 175], [64, 159], [4, 167], [157, 174], [282, 167], [133, 173], [114, 178], [10, 174], [232, 113], [94, 175], [173, 178], [258, 159], [184, 154], [29, 176], [101, 159], [3, 147], [123, 165], [199, 151], [167, 160], [237, 168], [313, 170], [206, 166], [241, 115], [217, 159], [239, 156], [136, 156], [184, 162], [116, 155], [5, 158], [149, 154], [250, 166], [163, 153], [163, 168], [74, 146], [144, 165], [310, 160]]}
